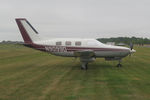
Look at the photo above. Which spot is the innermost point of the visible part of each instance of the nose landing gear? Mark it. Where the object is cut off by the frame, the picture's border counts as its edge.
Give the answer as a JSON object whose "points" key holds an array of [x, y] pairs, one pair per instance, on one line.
{"points": [[119, 64]]}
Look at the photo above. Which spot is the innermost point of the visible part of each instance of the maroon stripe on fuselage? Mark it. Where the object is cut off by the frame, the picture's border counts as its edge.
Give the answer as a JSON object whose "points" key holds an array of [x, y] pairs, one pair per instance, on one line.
{"points": [[94, 49], [23, 32], [72, 49]]}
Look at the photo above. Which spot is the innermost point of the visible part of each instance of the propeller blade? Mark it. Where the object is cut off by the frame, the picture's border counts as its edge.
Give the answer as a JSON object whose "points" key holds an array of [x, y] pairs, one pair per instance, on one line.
{"points": [[131, 46]]}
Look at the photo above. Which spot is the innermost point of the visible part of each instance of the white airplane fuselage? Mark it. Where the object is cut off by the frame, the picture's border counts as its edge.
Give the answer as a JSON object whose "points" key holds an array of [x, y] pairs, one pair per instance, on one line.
{"points": [[100, 49]]}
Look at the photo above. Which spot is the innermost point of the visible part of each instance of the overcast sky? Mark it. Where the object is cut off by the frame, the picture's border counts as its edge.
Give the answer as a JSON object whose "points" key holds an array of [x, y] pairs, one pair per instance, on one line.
{"points": [[77, 18]]}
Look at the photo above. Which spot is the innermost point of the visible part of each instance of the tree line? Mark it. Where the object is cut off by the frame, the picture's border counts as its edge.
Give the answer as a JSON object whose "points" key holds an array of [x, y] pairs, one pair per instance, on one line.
{"points": [[126, 40]]}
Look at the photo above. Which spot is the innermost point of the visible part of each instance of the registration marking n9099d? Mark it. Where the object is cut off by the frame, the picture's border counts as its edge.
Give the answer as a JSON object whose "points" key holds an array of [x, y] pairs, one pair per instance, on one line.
{"points": [[55, 49]]}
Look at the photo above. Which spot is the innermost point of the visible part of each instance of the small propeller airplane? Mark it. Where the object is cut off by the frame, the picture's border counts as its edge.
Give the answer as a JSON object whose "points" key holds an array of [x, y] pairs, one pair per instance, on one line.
{"points": [[86, 49]]}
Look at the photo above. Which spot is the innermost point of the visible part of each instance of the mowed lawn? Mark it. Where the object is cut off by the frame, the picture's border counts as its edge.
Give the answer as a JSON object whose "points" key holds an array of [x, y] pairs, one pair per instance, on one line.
{"points": [[28, 74]]}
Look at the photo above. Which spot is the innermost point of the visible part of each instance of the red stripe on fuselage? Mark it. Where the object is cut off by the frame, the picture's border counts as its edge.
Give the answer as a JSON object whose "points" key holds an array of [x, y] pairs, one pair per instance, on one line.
{"points": [[94, 49], [72, 49]]}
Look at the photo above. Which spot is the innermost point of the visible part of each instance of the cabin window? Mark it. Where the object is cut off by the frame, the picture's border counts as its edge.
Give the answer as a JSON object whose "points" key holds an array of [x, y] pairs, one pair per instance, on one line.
{"points": [[58, 43], [78, 43], [68, 43]]}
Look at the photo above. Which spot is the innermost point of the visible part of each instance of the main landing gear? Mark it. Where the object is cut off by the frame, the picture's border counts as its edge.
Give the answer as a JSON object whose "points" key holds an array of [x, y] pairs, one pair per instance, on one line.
{"points": [[119, 64], [84, 66], [85, 61]]}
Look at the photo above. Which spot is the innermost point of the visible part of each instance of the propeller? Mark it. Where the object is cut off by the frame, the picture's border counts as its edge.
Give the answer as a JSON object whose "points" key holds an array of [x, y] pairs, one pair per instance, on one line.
{"points": [[131, 48], [131, 45]]}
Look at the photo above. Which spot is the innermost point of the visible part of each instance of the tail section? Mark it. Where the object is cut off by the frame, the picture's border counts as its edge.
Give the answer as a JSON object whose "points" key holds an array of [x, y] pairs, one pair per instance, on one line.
{"points": [[29, 34]]}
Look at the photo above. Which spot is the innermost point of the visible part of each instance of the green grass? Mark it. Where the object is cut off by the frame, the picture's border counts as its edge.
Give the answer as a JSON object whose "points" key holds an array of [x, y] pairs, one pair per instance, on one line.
{"points": [[28, 74]]}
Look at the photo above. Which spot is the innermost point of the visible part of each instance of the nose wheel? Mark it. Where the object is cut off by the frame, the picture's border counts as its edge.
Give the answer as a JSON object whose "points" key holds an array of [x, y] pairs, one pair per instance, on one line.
{"points": [[119, 64]]}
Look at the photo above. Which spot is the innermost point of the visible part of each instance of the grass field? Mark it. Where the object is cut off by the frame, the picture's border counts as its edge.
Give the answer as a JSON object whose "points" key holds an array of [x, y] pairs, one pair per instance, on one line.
{"points": [[28, 74]]}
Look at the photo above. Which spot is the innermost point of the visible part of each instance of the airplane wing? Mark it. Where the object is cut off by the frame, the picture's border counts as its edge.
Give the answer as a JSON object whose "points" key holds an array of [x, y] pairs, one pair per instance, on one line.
{"points": [[84, 53]]}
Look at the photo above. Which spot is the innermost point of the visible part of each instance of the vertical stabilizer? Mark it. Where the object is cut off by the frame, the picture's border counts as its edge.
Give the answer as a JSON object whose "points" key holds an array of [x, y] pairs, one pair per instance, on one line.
{"points": [[29, 34]]}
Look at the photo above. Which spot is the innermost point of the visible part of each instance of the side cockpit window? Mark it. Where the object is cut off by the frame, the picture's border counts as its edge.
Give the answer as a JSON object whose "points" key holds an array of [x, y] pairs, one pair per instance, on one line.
{"points": [[92, 43], [58, 43], [68, 43], [78, 43]]}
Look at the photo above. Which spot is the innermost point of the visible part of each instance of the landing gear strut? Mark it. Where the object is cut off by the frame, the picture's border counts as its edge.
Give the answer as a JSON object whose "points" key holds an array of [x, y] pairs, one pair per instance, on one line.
{"points": [[84, 66], [119, 65]]}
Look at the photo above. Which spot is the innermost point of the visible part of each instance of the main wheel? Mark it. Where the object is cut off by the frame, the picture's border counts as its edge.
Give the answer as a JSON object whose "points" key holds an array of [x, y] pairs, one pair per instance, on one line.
{"points": [[119, 65], [84, 66]]}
